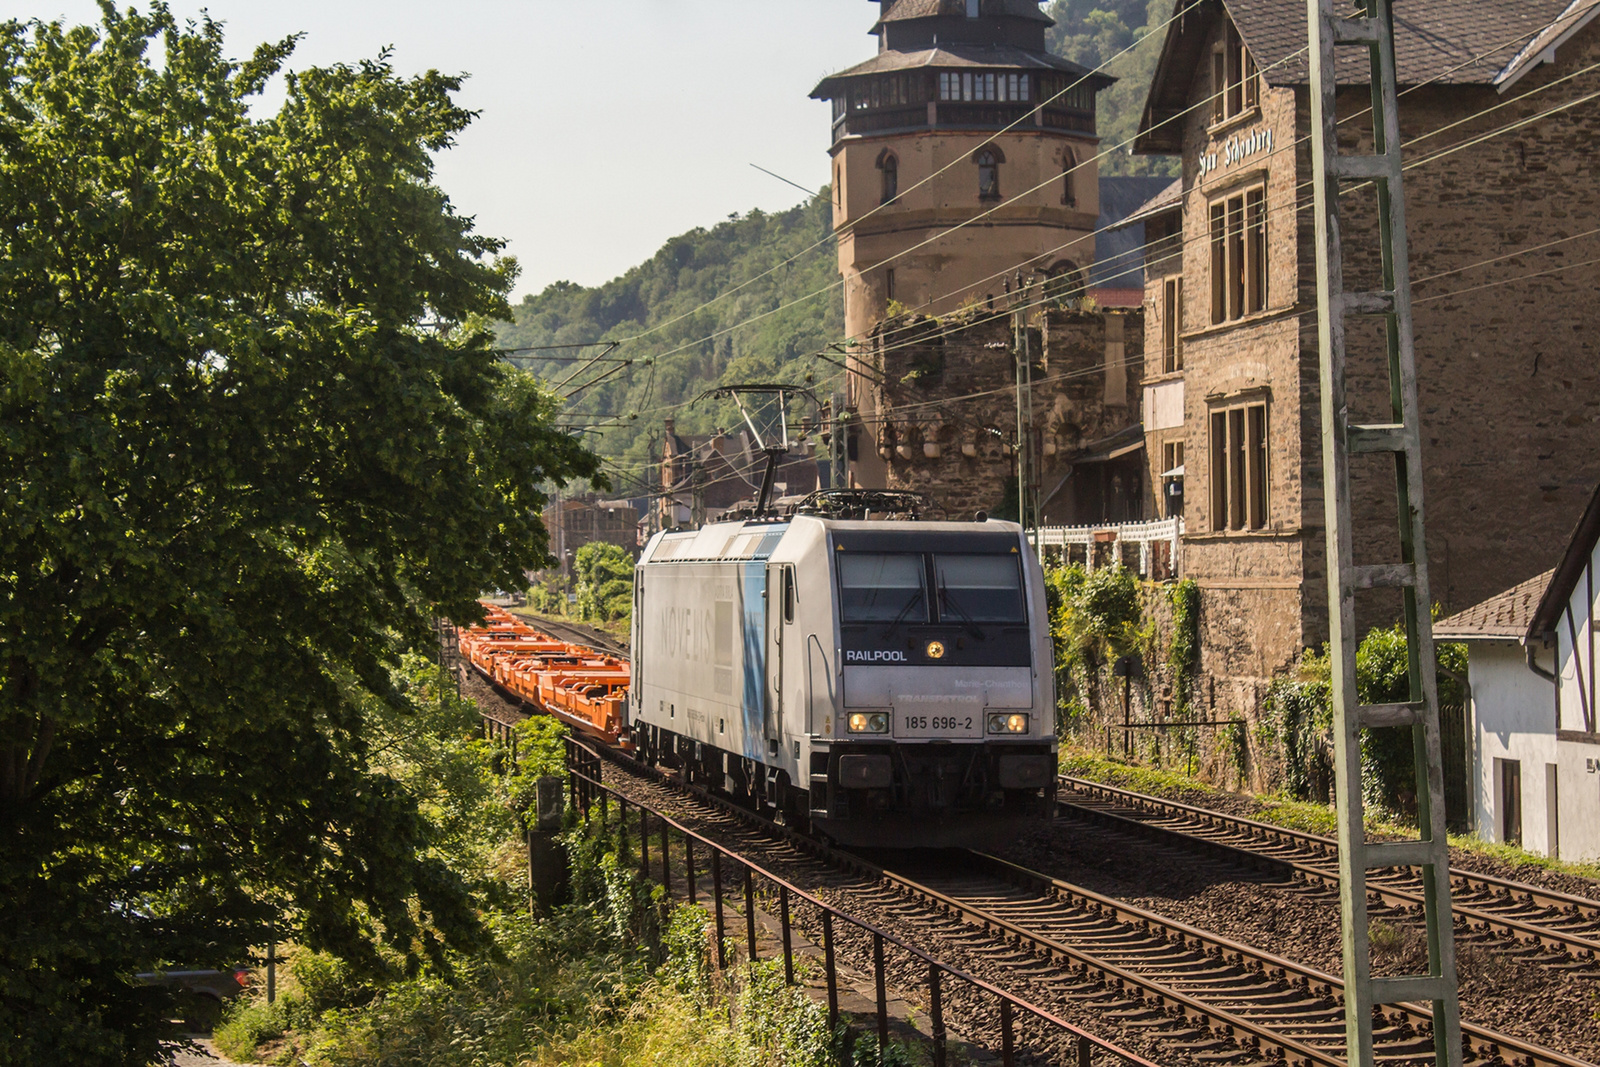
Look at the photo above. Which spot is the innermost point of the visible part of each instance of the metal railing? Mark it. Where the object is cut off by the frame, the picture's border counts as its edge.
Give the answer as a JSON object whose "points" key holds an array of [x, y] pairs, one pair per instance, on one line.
{"points": [[1157, 545], [593, 798]]}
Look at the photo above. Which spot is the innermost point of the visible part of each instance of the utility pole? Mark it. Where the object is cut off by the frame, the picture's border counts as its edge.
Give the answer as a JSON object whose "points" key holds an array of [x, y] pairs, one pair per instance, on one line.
{"points": [[1400, 438], [1026, 500], [840, 445]]}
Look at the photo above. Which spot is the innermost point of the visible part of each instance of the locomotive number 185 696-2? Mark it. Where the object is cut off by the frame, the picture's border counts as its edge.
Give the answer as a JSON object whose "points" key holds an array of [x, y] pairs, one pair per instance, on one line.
{"points": [[924, 723]]}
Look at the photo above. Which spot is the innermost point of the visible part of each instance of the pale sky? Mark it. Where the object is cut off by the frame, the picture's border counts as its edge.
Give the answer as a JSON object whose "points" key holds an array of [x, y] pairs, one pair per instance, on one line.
{"points": [[606, 126]]}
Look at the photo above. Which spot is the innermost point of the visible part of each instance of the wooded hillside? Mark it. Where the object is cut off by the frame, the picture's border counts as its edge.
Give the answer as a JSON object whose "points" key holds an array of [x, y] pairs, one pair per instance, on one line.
{"points": [[668, 310]]}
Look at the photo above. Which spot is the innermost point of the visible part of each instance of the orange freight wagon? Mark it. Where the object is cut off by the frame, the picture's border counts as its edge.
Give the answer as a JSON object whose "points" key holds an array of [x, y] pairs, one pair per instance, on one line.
{"points": [[585, 689]]}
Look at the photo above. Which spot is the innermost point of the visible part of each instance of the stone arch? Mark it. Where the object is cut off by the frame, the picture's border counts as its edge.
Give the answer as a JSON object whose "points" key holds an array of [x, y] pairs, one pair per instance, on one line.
{"points": [[1064, 281]]}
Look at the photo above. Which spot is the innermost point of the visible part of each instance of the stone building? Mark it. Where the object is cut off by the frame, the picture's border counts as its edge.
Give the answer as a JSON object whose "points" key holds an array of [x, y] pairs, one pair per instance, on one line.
{"points": [[946, 393], [1502, 141], [575, 521], [961, 114]]}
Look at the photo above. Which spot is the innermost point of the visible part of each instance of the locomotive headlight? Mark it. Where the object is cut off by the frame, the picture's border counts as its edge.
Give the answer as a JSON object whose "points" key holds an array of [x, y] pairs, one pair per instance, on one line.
{"points": [[869, 722], [1016, 723]]}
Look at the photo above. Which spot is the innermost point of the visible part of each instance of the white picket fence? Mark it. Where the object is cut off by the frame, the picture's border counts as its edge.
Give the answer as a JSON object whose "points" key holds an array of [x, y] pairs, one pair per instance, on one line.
{"points": [[1158, 546]]}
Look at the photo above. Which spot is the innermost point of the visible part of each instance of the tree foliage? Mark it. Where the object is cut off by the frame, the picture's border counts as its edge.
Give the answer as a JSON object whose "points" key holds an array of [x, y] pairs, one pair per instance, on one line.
{"points": [[1298, 717], [1094, 32], [253, 433], [605, 582], [692, 330]]}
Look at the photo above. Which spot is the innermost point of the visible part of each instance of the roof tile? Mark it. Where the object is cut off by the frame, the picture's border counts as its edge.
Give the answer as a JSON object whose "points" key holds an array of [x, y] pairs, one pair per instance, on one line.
{"points": [[1505, 616], [921, 9], [1443, 41], [956, 57]]}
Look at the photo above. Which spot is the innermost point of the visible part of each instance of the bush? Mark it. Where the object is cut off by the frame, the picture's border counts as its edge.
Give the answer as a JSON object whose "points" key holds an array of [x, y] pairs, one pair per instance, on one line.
{"points": [[328, 983], [249, 1023], [780, 1023], [1298, 717], [605, 582]]}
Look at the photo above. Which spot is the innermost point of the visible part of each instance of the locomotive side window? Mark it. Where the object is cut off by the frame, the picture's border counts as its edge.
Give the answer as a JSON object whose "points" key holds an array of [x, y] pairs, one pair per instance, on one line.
{"points": [[979, 588], [788, 594], [882, 588]]}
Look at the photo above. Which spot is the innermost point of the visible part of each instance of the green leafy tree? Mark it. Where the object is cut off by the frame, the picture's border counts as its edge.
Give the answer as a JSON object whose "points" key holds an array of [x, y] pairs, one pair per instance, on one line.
{"points": [[688, 328], [605, 582], [1096, 32], [253, 434]]}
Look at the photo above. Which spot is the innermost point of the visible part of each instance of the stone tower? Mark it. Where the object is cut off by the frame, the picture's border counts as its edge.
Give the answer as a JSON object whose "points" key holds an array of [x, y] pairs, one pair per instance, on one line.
{"points": [[949, 77], [961, 114]]}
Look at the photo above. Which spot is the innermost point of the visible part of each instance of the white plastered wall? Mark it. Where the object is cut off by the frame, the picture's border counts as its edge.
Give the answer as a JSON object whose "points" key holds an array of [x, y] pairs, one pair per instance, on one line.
{"points": [[1578, 764], [1513, 718]]}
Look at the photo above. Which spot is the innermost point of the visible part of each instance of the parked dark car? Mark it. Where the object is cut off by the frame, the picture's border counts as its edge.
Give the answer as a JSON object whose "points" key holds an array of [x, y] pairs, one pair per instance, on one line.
{"points": [[202, 994]]}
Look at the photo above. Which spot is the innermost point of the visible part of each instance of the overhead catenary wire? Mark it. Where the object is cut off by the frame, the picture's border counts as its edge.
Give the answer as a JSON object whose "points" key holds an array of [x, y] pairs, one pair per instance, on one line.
{"points": [[1152, 35], [1284, 312], [1298, 205], [1500, 47], [1204, 101], [1301, 205], [1128, 361], [1197, 105], [942, 234]]}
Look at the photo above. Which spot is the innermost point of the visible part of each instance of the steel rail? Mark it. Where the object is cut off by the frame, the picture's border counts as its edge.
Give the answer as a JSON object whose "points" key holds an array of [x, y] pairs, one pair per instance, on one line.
{"points": [[790, 894], [1390, 889], [1490, 1045], [1247, 1034]]}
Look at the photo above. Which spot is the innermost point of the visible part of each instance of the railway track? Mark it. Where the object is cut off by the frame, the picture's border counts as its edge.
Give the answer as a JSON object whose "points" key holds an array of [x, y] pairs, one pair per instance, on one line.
{"points": [[578, 635], [1202, 996], [1558, 930], [1202, 990]]}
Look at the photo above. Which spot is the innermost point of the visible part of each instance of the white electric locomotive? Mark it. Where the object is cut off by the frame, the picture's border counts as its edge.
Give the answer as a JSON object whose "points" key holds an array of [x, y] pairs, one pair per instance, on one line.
{"points": [[885, 683]]}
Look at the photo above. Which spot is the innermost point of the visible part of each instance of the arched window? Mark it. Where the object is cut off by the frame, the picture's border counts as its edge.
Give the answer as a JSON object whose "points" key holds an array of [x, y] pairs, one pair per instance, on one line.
{"points": [[1069, 166], [988, 175], [889, 164], [1064, 281]]}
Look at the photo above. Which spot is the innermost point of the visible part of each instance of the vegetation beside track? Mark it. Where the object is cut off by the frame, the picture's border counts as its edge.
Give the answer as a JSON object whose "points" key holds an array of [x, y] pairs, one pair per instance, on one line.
{"points": [[614, 976], [1278, 810]]}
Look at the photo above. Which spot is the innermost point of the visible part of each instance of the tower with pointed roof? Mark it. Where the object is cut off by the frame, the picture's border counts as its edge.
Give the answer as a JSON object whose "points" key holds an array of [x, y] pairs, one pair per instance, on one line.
{"points": [[963, 119]]}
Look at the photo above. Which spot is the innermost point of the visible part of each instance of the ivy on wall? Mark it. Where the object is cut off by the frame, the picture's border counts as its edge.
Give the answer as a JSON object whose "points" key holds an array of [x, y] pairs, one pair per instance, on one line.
{"points": [[1298, 720], [1183, 650], [1095, 619]]}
